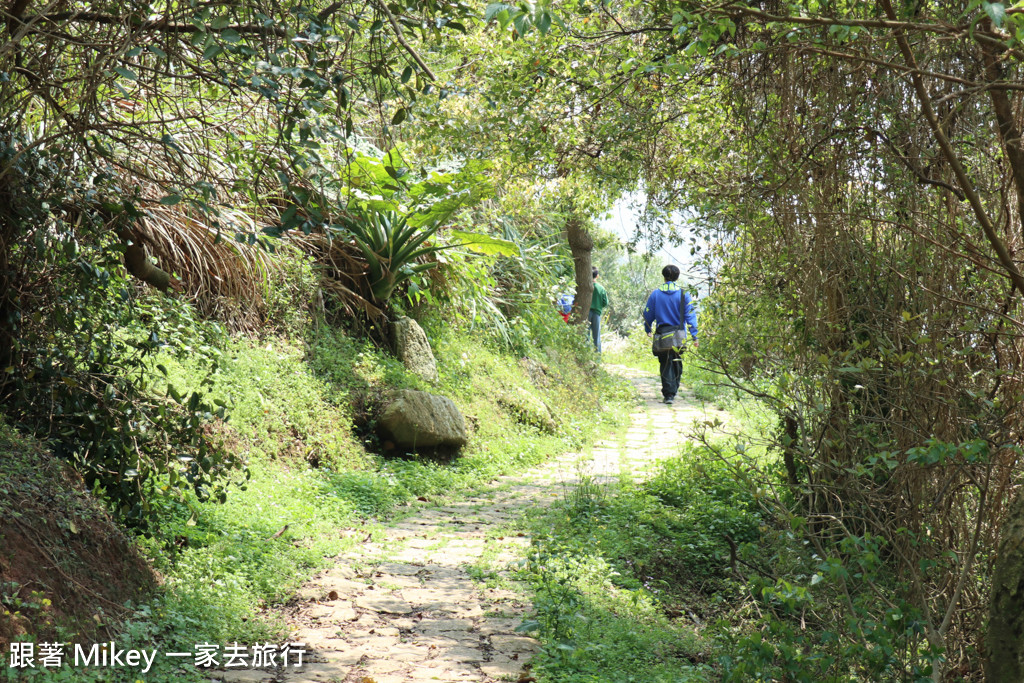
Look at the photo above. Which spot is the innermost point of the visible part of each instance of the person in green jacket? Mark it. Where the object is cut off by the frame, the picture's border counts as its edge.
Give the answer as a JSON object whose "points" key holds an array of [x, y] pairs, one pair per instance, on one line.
{"points": [[598, 303]]}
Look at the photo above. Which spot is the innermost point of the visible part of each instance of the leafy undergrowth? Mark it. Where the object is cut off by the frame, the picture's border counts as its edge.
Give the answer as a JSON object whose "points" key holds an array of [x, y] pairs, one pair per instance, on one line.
{"points": [[626, 578], [303, 415]]}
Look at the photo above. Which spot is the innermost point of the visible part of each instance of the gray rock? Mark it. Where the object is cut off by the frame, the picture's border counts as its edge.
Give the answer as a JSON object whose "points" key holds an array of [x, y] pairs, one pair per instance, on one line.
{"points": [[418, 419], [413, 348], [514, 643], [502, 669], [536, 371], [528, 409]]}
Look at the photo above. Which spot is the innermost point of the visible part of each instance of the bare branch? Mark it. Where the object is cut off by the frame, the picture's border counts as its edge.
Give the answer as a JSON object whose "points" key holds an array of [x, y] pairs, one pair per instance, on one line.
{"points": [[382, 6]]}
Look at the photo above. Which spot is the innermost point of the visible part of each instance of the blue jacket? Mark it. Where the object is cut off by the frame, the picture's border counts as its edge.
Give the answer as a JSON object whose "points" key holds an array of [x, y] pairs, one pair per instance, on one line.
{"points": [[663, 307]]}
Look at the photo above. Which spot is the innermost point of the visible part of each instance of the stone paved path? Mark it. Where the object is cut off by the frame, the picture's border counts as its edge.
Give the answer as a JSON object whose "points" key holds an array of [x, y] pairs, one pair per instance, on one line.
{"points": [[432, 601]]}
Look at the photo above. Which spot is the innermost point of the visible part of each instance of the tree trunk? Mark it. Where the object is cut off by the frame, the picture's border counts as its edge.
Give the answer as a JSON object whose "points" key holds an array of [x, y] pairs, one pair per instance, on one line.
{"points": [[139, 265], [9, 230], [6, 305], [581, 244], [1005, 639], [1009, 131]]}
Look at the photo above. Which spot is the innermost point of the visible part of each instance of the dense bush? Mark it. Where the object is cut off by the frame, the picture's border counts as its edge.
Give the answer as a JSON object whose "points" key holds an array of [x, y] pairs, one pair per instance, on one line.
{"points": [[615, 567], [77, 374]]}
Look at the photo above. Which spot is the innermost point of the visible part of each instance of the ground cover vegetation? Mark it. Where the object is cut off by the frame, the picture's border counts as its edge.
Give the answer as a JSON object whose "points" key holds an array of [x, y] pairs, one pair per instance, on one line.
{"points": [[661, 575], [175, 173]]}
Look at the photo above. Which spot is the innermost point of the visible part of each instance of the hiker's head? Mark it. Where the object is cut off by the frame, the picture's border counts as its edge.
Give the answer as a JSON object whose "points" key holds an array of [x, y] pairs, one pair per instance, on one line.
{"points": [[670, 273], [593, 270]]}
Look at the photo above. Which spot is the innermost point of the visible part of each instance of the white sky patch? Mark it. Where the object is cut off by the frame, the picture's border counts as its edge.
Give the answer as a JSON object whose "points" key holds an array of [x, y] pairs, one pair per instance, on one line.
{"points": [[622, 221]]}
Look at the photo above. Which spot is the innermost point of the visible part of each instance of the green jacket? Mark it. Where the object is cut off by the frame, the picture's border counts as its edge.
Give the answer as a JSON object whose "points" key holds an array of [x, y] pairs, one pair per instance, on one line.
{"points": [[599, 302]]}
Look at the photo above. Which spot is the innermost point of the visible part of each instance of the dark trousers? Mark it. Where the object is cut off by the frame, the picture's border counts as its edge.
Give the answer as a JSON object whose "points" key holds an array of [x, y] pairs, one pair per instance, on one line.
{"points": [[671, 365]]}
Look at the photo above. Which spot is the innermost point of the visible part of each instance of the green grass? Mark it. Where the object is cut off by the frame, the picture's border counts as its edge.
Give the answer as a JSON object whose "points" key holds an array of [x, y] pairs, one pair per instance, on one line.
{"points": [[224, 572], [303, 412], [619, 573], [595, 630], [634, 353]]}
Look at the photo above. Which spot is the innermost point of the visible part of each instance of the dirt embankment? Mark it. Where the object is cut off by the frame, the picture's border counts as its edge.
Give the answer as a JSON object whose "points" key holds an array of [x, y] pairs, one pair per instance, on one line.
{"points": [[66, 570]]}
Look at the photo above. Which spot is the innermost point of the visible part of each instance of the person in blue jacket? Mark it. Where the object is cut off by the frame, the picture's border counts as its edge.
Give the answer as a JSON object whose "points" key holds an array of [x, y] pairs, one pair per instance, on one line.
{"points": [[564, 304], [662, 312]]}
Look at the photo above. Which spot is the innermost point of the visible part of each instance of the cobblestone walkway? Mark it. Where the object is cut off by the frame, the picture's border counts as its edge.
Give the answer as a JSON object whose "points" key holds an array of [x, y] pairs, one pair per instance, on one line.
{"points": [[432, 601]]}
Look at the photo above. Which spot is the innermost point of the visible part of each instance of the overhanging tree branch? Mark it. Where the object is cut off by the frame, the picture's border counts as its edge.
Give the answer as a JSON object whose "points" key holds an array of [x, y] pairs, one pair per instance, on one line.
{"points": [[1005, 259], [158, 25], [402, 41]]}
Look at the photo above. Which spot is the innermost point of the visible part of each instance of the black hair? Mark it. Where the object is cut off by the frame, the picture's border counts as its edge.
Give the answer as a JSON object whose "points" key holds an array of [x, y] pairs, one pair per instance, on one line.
{"points": [[593, 270], [670, 273]]}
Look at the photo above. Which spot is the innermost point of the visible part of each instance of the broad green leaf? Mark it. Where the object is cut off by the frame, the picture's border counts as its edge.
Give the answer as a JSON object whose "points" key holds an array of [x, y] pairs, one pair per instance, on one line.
{"points": [[126, 73], [996, 12], [496, 8], [522, 24], [212, 51], [399, 116], [230, 36], [544, 22], [485, 244], [170, 200]]}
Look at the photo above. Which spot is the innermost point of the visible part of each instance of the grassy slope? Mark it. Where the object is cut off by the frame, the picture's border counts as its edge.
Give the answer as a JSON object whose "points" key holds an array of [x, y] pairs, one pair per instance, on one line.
{"points": [[294, 403]]}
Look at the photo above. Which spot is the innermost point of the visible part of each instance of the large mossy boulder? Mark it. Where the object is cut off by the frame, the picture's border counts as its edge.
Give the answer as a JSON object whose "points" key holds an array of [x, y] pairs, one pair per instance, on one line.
{"points": [[528, 409], [417, 419], [413, 348]]}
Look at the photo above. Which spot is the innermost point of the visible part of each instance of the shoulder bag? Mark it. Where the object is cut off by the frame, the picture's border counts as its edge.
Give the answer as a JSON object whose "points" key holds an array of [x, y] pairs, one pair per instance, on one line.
{"points": [[671, 337]]}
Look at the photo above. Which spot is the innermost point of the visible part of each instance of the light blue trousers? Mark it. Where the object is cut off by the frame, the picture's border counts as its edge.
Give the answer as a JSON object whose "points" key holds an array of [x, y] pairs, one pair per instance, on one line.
{"points": [[595, 329]]}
